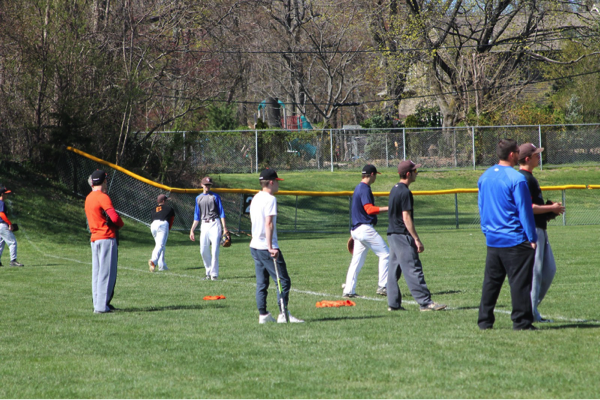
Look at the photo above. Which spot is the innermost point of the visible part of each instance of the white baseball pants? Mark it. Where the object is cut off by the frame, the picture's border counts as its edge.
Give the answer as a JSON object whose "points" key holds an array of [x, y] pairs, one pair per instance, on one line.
{"points": [[365, 238], [6, 236], [210, 240], [160, 231]]}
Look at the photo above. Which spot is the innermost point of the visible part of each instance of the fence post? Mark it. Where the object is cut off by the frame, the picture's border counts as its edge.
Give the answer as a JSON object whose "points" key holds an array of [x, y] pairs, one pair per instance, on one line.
{"points": [[296, 216], [387, 158], [331, 148], [404, 142], [564, 201], [473, 142], [456, 208], [454, 147], [256, 149], [540, 139], [183, 146]]}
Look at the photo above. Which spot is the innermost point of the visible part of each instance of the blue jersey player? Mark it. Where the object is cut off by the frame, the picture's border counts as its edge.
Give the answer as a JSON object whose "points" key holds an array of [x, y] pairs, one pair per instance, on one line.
{"points": [[364, 218]]}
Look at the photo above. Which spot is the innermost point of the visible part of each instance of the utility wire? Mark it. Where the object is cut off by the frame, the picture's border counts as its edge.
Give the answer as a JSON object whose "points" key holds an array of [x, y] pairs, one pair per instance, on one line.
{"points": [[354, 104], [402, 50]]}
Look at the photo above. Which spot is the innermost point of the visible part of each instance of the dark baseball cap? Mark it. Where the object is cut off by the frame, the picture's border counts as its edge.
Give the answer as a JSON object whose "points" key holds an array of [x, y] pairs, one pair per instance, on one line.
{"points": [[161, 198], [528, 149], [207, 180], [407, 166], [98, 177], [269, 175], [370, 169], [4, 190]]}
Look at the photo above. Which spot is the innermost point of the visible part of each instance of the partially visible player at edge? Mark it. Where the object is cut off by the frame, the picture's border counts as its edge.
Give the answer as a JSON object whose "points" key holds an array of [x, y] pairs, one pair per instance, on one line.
{"points": [[507, 222], [264, 247], [209, 210], [6, 231], [405, 244], [544, 266], [364, 218], [104, 223], [163, 216]]}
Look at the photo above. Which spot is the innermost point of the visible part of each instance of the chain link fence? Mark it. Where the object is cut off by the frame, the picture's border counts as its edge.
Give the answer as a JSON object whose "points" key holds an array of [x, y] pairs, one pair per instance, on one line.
{"points": [[135, 198], [438, 148]]}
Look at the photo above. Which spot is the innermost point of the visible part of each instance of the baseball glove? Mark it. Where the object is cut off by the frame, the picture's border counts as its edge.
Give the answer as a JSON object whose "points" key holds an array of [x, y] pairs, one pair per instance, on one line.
{"points": [[226, 239], [15, 227], [550, 216], [350, 245]]}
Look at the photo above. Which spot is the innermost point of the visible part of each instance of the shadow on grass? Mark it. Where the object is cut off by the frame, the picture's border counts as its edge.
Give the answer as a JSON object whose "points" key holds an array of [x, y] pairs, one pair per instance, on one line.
{"points": [[240, 277], [345, 318], [447, 292], [582, 325], [171, 308]]}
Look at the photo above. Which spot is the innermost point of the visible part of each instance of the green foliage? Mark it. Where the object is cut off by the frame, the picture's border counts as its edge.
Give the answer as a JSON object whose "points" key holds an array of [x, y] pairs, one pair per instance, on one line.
{"points": [[377, 121], [221, 117], [424, 117]]}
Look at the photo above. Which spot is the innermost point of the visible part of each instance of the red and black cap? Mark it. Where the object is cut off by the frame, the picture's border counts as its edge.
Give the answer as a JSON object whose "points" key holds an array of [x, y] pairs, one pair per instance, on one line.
{"points": [[370, 169], [269, 175], [98, 177], [4, 190]]}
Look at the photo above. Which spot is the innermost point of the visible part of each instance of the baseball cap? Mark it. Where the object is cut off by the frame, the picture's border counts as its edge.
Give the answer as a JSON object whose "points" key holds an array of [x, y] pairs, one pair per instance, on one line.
{"points": [[269, 175], [528, 149], [98, 177], [207, 180], [407, 166], [161, 198], [4, 190], [370, 169]]}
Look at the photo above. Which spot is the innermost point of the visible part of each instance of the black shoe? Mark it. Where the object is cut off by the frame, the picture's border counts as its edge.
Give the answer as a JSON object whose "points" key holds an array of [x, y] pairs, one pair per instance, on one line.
{"points": [[350, 295], [206, 278], [15, 263], [112, 308], [1, 264], [529, 328]]}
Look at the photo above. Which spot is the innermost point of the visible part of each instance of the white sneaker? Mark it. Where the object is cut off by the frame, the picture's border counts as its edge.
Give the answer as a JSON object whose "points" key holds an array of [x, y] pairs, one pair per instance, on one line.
{"points": [[263, 319], [163, 269], [281, 319]]}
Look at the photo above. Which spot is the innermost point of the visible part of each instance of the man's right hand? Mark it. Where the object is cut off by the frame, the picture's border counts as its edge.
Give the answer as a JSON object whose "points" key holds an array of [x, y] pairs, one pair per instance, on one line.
{"points": [[558, 208], [192, 237], [533, 245], [420, 247], [274, 252]]}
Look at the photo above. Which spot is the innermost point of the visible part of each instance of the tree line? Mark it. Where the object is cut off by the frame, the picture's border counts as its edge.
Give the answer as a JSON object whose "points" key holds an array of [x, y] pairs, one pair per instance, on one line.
{"points": [[107, 75]]}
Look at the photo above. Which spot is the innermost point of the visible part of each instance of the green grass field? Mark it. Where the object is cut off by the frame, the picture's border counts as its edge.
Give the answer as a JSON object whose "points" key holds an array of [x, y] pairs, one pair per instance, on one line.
{"points": [[166, 342]]}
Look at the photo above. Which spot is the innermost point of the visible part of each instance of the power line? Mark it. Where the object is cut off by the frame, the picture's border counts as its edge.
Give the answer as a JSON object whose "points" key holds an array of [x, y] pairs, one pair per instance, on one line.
{"points": [[376, 51], [355, 104]]}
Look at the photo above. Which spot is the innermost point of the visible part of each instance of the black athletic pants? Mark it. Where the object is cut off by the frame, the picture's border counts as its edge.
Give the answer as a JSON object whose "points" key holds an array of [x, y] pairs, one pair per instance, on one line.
{"points": [[517, 263]]}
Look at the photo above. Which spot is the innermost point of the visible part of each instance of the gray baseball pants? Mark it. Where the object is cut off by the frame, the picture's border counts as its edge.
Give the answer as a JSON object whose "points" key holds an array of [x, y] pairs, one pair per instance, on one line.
{"points": [[544, 269], [405, 259], [6, 236], [104, 272]]}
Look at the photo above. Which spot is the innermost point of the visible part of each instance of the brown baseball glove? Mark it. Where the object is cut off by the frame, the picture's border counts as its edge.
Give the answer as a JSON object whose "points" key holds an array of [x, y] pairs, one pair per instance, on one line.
{"points": [[350, 245], [226, 239]]}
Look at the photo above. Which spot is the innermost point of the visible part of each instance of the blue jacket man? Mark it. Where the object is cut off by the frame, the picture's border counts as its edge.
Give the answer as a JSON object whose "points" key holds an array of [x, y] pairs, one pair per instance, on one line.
{"points": [[509, 227]]}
